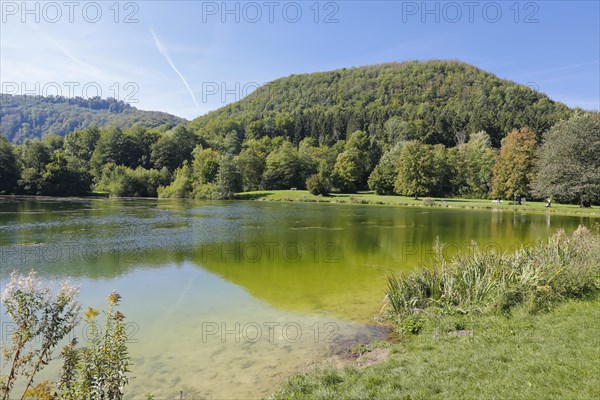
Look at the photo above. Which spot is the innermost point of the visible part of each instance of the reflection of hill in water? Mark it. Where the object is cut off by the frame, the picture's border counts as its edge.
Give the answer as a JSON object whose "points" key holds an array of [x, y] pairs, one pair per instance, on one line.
{"points": [[345, 288], [370, 244]]}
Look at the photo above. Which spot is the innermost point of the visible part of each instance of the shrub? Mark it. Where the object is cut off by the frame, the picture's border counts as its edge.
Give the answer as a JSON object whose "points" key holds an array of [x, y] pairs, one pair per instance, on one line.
{"points": [[97, 371], [318, 184], [100, 369], [358, 200], [207, 191], [121, 181], [428, 202], [411, 324], [181, 187]]}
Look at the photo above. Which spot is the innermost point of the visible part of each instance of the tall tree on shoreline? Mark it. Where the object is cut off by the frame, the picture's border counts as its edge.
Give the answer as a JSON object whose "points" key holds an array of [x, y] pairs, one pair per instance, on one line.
{"points": [[569, 161], [9, 169], [416, 170], [513, 171]]}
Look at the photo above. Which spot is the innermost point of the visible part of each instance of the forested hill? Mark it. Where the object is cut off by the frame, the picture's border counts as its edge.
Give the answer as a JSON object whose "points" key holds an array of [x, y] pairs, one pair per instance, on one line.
{"points": [[27, 117], [431, 101]]}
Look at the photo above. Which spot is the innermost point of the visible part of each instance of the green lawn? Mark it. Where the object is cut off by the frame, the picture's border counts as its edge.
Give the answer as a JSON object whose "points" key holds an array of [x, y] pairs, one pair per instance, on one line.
{"points": [[555, 355], [370, 198]]}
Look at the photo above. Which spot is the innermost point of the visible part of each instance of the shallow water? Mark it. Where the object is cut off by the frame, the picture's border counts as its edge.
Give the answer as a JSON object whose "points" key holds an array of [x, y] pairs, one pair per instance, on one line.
{"points": [[225, 299]]}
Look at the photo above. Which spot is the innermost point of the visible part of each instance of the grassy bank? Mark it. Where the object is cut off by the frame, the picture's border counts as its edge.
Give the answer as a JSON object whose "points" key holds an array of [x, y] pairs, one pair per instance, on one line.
{"points": [[548, 356], [489, 326], [370, 198]]}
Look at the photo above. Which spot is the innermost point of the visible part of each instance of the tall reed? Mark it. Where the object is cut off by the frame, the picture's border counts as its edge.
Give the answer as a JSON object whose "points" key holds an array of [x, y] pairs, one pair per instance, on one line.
{"points": [[485, 281]]}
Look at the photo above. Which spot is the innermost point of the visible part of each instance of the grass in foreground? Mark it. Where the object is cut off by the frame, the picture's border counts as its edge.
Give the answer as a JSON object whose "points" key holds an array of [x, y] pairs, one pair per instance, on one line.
{"points": [[370, 198], [490, 326], [522, 356]]}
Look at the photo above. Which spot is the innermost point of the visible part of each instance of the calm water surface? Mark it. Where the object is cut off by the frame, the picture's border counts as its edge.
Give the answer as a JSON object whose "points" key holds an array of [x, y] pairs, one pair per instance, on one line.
{"points": [[225, 299]]}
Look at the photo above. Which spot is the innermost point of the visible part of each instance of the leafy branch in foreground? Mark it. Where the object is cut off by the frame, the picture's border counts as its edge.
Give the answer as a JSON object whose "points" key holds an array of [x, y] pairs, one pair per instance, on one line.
{"points": [[39, 317], [42, 320], [486, 282]]}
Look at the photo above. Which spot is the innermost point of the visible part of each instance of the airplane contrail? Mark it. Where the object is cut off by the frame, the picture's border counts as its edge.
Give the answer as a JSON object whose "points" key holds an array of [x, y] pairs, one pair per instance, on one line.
{"points": [[163, 51]]}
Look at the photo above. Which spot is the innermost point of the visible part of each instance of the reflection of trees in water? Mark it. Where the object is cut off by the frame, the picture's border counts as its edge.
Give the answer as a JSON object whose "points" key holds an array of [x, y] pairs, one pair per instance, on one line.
{"points": [[301, 257]]}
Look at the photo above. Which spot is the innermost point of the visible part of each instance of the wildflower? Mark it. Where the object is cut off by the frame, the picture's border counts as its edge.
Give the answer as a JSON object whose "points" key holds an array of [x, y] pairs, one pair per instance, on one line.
{"points": [[119, 316], [90, 314], [114, 298]]}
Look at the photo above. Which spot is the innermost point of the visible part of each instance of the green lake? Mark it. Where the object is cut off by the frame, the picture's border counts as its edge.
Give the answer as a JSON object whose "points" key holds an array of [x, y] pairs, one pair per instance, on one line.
{"points": [[226, 299]]}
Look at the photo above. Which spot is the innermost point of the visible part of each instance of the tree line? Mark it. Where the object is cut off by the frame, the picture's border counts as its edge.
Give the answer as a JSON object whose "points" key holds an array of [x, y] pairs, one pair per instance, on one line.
{"points": [[179, 163]]}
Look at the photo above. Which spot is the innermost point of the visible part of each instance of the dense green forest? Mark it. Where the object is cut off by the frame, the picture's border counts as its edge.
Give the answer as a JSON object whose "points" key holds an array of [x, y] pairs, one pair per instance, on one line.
{"points": [[429, 101], [29, 117], [415, 128]]}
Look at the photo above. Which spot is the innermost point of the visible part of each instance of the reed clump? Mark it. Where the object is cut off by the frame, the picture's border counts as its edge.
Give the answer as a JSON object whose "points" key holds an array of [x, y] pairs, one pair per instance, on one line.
{"points": [[480, 282]]}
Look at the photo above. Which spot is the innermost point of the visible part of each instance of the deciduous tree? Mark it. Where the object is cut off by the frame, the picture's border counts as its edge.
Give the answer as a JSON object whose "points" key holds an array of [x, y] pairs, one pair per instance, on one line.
{"points": [[284, 168], [9, 168], [514, 169], [229, 179], [383, 178], [569, 161], [416, 170]]}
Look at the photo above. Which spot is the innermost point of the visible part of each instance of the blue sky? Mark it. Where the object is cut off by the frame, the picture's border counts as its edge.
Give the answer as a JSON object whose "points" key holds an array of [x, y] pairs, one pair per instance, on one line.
{"points": [[190, 57]]}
